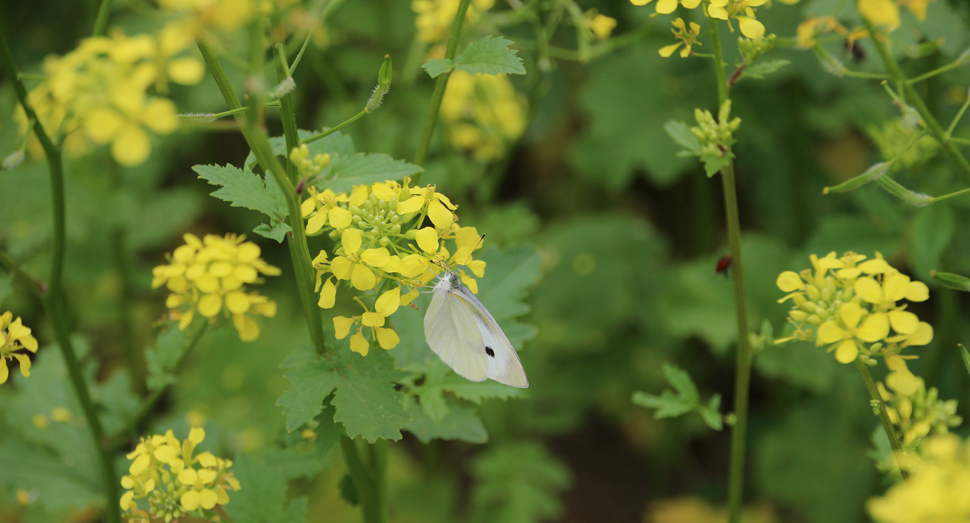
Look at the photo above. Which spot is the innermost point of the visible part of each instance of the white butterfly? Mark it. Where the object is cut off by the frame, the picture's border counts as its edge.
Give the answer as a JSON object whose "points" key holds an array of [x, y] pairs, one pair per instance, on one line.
{"points": [[464, 335]]}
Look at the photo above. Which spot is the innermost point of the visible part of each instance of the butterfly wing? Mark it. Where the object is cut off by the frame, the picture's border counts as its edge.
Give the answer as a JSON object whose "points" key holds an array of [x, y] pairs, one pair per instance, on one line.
{"points": [[453, 334], [503, 364]]}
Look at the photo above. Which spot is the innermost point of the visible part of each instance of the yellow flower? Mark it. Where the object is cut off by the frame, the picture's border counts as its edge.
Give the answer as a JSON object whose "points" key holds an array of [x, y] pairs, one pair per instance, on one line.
{"points": [[666, 7], [435, 16], [483, 114], [917, 7], [209, 277], [846, 330], [598, 25], [740, 10], [357, 263], [14, 337], [880, 12], [323, 209], [688, 38], [203, 480], [437, 205], [810, 29]]}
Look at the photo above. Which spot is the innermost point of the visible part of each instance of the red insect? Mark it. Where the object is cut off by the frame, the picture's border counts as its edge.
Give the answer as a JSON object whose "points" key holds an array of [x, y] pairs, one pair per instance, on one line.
{"points": [[723, 265]]}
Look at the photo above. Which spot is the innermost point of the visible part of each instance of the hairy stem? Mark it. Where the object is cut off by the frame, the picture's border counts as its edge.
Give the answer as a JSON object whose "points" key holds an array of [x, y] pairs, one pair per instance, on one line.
{"points": [[431, 120], [887, 425], [259, 143], [54, 299], [743, 361]]}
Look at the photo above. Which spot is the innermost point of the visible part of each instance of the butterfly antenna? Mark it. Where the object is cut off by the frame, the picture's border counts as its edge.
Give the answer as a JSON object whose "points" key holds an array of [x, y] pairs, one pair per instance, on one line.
{"points": [[477, 245]]}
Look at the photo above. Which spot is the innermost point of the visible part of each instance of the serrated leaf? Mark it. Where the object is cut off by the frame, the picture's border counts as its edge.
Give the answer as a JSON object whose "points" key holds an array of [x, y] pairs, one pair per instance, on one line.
{"points": [[761, 69], [682, 383], [364, 397], [490, 55], [680, 133], [713, 163], [276, 232], [243, 189], [262, 498], [363, 169], [518, 483], [459, 422], [712, 413], [667, 404], [438, 66], [509, 274]]}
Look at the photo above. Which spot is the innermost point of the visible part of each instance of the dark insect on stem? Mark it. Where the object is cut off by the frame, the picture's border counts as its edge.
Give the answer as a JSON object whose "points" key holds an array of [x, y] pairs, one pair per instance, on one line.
{"points": [[723, 265], [855, 50]]}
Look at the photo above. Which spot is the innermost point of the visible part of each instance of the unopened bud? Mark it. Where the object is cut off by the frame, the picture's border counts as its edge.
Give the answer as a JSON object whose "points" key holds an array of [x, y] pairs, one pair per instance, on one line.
{"points": [[383, 86]]}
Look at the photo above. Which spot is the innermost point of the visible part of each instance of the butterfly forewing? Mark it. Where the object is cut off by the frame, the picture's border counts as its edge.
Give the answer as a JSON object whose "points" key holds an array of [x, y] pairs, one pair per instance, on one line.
{"points": [[503, 364], [453, 334]]}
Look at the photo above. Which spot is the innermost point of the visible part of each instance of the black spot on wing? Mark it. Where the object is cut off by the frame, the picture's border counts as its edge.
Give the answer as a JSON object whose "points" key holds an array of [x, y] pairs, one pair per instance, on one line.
{"points": [[489, 351]]}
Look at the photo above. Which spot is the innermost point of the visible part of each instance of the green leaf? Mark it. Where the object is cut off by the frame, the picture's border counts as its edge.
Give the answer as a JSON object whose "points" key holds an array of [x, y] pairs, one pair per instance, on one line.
{"points": [[680, 133], [761, 69], [244, 189], [348, 490], [518, 483], [668, 404], [459, 422], [490, 55], [965, 355], [364, 396], [277, 232], [952, 281], [162, 358], [713, 163], [933, 229], [712, 413], [363, 169], [58, 486], [262, 498], [682, 383], [438, 66]]}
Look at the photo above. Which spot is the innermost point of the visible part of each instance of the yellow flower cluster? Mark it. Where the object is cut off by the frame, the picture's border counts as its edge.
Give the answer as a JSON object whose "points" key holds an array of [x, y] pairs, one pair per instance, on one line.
{"points": [[435, 16], [384, 245], [597, 25], [914, 410], [14, 337], [937, 488], [209, 276], [196, 16], [97, 94], [174, 479], [483, 113], [687, 38], [853, 305]]}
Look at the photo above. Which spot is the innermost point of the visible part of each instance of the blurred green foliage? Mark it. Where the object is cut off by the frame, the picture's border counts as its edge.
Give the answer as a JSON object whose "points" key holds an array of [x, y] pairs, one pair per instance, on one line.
{"points": [[601, 249]]}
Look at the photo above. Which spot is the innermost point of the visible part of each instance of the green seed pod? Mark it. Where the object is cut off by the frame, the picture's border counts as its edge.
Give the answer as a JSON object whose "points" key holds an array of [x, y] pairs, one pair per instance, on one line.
{"points": [[383, 86]]}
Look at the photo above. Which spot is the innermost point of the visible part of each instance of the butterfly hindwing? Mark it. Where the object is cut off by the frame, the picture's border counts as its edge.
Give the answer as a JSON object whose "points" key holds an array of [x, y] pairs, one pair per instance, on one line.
{"points": [[503, 364], [453, 334]]}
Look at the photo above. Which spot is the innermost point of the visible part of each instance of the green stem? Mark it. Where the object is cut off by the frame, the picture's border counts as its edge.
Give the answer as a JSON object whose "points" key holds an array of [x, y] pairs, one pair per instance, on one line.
{"points": [[101, 23], [431, 120], [378, 459], [368, 488], [259, 144], [743, 359], [939, 70], [887, 425], [332, 130], [287, 113], [957, 118], [913, 98], [134, 356], [120, 436], [35, 286], [54, 299]]}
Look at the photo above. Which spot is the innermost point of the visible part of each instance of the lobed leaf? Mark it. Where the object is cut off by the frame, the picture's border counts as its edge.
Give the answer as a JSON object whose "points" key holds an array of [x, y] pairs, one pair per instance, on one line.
{"points": [[438, 66], [490, 55]]}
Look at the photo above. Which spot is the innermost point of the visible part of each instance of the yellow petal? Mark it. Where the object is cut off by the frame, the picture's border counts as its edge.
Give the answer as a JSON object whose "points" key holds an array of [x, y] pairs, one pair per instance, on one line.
{"points": [[789, 281], [668, 50], [409, 297], [847, 352], [387, 338], [223, 496], [848, 274], [206, 459], [372, 319], [238, 302], [188, 477], [903, 322], [427, 239], [917, 291], [869, 290], [412, 204], [715, 11], [350, 240], [690, 4], [388, 303], [874, 328], [340, 217], [665, 7], [160, 115], [328, 295], [362, 278], [190, 500], [875, 266], [24, 364], [132, 146], [830, 332], [102, 124], [441, 217], [751, 27], [341, 267], [880, 12], [4, 371], [341, 326], [186, 71], [851, 313], [127, 482], [308, 206], [247, 327], [166, 453], [208, 499], [922, 336], [359, 344], [896, 286], [210, 305], [903, 382], [207, 476], [640, 2], [376, 257], [126, 502], [316, 222], [140, 464]]}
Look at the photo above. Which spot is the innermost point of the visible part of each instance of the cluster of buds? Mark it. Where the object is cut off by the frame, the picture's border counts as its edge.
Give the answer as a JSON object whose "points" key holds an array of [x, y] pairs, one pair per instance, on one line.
{"points": [[715, 137], [752, 49], [309, 168], [174, 480], [915, 410]]}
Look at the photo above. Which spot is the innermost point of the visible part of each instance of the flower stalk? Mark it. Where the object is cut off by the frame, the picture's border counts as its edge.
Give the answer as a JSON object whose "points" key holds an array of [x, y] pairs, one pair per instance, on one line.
{"points": [[431, 120], [54, 298], [743, 360], [887, 425]]}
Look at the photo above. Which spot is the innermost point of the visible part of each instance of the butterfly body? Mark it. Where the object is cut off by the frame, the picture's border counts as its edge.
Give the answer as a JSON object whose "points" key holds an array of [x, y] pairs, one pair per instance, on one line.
{"points": [[461, 331]]}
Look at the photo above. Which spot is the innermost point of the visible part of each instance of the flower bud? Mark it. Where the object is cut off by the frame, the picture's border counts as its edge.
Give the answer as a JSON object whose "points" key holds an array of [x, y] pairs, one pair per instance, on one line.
{"points": [[799, 299], [813, 292], [384, 241], [799, 316], [814, 320], [411, 234]]}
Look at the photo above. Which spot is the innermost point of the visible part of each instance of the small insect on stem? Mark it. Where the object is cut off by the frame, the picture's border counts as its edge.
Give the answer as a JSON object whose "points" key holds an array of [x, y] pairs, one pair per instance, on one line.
{"points": [[723, 265]]}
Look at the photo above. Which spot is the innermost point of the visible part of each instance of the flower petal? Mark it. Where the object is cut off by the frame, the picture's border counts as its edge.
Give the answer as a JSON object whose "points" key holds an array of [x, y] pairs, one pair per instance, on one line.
{"points": [[789, 281], [665, 7], [427, 239], [668, 50], [874, 328], [372, 319], [376, 257], [918, 291], [341, 326], [847, 352], [190, 500], [851, 313], [751, 27], [868, 289], [441, 217], [362, 278], [922, 336], [388, 303], [903, 322], [350, 240], [896, 287], [328, 294], [830, 332], [387, 338], [359, 344]]}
